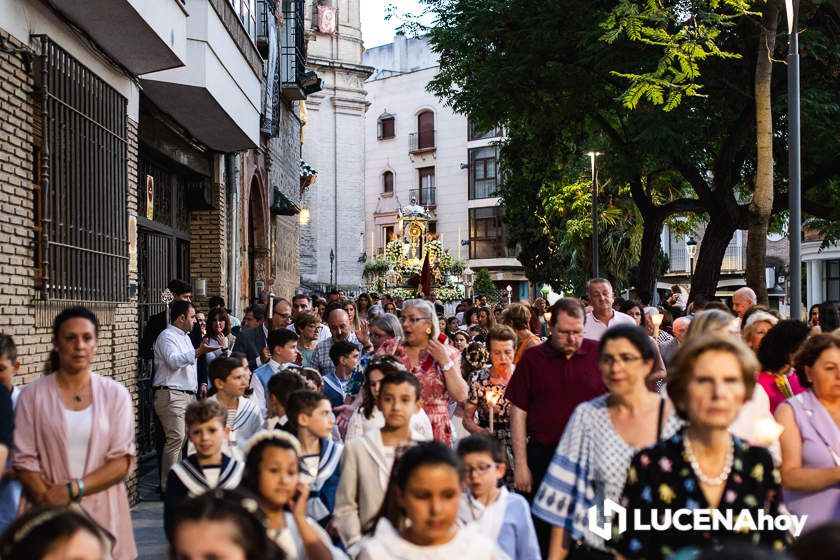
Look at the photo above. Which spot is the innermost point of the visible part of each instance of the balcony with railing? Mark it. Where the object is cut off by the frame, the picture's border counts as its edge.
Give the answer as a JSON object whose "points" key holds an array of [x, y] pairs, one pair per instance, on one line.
{"points": [[423, 197], [421, 141], [292, 52]]}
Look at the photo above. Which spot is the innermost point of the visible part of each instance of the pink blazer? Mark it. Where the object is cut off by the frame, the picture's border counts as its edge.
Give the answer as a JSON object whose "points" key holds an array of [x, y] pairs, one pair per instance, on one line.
{"points": [[41, 445]]}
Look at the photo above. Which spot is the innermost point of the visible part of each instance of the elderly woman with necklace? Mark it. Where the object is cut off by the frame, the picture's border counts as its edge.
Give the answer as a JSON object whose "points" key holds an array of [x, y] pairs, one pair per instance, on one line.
{"points": [[74, 433], [704, 466], [435, 364]]}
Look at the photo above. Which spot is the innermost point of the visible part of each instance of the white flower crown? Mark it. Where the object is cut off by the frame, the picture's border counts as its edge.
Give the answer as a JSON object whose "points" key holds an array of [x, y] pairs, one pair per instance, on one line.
{"points": [[265, 435]]}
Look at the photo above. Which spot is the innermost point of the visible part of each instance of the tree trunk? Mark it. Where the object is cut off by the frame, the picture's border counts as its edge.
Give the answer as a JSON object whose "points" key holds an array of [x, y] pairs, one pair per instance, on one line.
{"points": [[758, 213], [710, 255], [651, 247]]}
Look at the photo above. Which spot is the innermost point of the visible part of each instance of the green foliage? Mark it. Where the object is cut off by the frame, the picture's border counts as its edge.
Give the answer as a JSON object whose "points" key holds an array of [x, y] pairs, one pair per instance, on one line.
{"points": [[545, 72], [483, 285], [375, 268], [685, 33]]}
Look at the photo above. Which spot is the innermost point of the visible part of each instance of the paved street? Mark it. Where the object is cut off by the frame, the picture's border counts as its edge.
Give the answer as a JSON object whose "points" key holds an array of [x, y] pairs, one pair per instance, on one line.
{"points": [[147, 518]]}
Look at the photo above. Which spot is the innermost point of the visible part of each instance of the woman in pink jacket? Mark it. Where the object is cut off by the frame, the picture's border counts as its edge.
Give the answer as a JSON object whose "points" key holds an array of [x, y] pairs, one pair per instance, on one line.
{"points": [[74, 433]]}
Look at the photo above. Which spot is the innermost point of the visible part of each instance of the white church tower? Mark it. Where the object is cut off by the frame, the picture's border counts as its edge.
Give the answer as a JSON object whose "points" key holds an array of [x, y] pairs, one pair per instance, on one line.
{"points": [[334, 145]]}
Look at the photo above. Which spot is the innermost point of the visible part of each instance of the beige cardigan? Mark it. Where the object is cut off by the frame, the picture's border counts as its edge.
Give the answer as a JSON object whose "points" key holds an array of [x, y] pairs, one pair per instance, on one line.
{"points": [[365, 470]]}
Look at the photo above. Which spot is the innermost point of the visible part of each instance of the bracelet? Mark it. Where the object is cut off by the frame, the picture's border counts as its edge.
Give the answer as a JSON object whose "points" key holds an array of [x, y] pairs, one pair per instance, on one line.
{"points": [[81, 484], [70, 491], [448, 365]]}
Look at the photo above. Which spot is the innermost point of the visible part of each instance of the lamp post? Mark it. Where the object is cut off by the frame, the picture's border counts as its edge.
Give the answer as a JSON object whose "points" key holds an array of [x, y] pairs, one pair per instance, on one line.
{"points": [[509, 289], [332, 258], [691, 247], [467, 276], [794, 185], [595, 265]]}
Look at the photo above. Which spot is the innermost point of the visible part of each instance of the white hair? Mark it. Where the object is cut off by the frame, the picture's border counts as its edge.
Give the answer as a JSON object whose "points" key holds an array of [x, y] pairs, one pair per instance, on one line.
{"points": [[746, 292], [427, 310]]}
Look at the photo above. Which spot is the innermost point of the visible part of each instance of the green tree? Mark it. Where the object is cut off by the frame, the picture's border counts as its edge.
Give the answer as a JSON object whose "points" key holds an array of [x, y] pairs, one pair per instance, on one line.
{"points": [[483, 285], [558, 92]]}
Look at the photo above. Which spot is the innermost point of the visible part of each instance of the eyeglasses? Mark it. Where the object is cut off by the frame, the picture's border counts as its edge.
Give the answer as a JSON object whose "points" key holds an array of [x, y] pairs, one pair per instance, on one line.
{"points": [[607, 360], [412, 320], [569, 334], [479, 469]]}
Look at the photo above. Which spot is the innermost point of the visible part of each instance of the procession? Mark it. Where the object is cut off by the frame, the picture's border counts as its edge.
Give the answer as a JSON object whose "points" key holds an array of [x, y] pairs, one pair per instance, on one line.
{"points": [[419, 280]]}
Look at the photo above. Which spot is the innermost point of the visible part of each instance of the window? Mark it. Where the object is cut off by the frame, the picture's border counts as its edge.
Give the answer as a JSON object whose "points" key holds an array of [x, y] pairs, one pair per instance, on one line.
{"points": [[424, 138], [483, 171], [83, 247], [292, 50], [387, 234], [487, 233], [246, 11], [474, 134], [832, 280], [386, 127], [388, 182], [424, 195]]}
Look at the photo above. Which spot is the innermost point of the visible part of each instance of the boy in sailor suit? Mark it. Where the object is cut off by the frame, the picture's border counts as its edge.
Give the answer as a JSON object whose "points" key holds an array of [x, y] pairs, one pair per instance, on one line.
{"points": [[310, 415], [208, 467]]}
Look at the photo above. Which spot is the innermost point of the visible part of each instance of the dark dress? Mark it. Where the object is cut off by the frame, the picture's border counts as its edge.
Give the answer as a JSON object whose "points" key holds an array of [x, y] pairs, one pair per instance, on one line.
{"points": [[661, 478]]}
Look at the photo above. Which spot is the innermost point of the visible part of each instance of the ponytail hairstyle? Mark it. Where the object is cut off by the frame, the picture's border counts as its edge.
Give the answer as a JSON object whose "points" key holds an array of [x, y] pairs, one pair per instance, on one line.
{"points": [[78, 312], [425, 454]]}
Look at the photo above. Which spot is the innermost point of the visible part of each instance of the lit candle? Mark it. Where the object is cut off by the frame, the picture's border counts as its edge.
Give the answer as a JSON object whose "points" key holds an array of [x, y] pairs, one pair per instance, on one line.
{"points": [[492, 396], [371, 245], [767, 431]]}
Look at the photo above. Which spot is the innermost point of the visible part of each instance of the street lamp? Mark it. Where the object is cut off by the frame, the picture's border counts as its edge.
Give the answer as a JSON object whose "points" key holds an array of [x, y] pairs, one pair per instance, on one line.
{"points": [[691, 247], [595, 264], [794, 185], [468, 275], [332, 258], [509, 289]]}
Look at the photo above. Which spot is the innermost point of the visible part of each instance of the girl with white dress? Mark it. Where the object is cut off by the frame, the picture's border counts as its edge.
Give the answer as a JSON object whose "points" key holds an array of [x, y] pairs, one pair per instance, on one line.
{"points": [[272, 472], [420, 512]]}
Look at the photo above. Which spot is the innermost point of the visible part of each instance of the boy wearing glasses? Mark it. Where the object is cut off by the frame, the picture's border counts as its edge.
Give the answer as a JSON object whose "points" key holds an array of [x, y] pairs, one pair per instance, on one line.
{"points": [[500, 515], [366, 465]]}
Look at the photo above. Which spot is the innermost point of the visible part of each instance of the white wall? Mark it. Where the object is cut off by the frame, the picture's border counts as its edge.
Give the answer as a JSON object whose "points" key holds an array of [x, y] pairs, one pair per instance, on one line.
{"points": [[404, 96]]}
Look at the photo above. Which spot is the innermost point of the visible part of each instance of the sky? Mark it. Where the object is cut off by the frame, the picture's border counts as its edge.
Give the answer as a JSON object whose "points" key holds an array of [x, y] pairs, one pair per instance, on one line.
{"points": [[375, 30]]}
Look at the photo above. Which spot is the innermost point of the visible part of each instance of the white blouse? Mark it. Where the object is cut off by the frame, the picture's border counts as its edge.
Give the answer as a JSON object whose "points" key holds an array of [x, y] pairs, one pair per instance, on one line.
{"points": [[79, 427]]}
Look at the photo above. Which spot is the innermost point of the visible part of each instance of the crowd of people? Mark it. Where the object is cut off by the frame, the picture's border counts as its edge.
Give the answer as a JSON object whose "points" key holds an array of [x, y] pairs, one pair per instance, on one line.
{"points": [[374, 428]]}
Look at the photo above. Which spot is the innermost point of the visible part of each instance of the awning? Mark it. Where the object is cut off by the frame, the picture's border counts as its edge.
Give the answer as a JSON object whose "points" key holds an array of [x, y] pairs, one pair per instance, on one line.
{"points": [[282, 206]]}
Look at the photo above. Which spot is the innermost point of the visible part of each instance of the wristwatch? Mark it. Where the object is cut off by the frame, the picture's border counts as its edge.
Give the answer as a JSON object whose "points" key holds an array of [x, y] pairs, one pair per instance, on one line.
{"points": [[448, 365]]}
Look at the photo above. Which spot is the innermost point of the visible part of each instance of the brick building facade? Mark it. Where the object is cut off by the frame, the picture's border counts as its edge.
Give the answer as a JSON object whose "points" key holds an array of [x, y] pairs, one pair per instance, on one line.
{"points": [[131, 168]]}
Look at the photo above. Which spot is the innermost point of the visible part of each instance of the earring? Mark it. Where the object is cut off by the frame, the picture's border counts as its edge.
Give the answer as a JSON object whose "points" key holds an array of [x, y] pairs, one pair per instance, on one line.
{"points": [[428, 331]]}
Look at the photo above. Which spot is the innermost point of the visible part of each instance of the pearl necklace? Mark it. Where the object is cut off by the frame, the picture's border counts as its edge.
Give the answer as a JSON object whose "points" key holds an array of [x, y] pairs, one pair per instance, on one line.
{"points": [[695, 466]]}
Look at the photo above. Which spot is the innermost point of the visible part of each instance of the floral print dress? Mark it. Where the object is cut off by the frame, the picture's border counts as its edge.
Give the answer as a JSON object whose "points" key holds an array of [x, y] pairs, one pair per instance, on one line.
{"points": [[661, 478], [480, 386], [433, 391]]}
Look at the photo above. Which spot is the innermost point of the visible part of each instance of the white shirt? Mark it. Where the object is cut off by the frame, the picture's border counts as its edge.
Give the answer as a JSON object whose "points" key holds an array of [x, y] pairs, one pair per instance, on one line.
{"points": [[595, 329], [175, 360], [387, 544], [79, 427]]}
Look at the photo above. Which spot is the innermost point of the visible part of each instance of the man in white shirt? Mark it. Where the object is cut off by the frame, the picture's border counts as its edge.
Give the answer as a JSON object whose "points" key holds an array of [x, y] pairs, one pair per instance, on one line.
{"points": [[175, 380], [602, 316]]}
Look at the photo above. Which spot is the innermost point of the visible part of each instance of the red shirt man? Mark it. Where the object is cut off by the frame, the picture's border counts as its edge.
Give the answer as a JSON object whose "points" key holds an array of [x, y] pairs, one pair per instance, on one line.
{"points": [[549, 382]]}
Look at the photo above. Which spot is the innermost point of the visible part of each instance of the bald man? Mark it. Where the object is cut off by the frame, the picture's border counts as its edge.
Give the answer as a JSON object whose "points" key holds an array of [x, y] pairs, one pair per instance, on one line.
{"points": [[670, 348], [743, 299]]}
